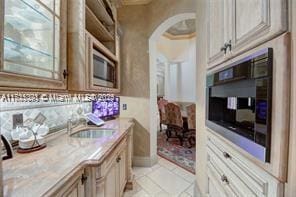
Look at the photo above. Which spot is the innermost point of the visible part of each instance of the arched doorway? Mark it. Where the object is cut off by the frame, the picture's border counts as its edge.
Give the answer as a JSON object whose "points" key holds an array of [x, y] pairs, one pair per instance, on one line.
{"points": [[158, 32]]}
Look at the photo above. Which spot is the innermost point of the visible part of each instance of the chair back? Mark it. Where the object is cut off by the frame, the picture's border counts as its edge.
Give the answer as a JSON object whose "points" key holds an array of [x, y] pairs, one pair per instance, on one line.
{"points": [[161, 108], [173, 115], [191, 116]]}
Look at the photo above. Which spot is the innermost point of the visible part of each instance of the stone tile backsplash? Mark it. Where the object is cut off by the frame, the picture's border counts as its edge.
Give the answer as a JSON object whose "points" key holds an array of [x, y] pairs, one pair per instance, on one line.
{"points": [[56, 114]]}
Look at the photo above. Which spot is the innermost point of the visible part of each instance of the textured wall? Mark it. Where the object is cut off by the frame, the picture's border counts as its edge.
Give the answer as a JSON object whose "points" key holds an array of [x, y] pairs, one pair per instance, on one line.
{"points": [[138, 23]]}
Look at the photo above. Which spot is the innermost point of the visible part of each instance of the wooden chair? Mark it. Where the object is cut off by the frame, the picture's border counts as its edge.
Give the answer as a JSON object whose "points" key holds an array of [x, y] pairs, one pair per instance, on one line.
{"points": [[191, 112], [161, 108], [174, 122]]}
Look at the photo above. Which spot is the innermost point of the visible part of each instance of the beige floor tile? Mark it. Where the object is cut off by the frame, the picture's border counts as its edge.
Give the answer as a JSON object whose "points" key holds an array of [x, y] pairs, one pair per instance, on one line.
{"points": [[141, 171], [168, 181], [190, 190], [148, 185], [162, 194], [184, 174], [142, 193], [184, 194], [167, 164]]}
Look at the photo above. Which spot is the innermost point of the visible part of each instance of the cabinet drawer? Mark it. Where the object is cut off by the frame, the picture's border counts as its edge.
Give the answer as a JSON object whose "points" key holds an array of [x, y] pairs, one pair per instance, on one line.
{"points": [[231, 183], [259, 182]]}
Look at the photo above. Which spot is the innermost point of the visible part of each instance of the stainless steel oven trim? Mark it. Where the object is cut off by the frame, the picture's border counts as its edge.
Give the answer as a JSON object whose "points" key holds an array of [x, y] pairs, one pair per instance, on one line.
{"points": [[247, 145]]}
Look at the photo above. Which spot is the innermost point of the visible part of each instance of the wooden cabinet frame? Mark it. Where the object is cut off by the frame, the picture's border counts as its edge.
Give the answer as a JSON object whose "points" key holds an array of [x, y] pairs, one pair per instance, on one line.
{"points": [[11, 81]]}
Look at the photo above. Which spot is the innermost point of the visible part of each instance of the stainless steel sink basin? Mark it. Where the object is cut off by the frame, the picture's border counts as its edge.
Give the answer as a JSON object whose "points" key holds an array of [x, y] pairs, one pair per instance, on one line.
{"points": [[93, 133]]}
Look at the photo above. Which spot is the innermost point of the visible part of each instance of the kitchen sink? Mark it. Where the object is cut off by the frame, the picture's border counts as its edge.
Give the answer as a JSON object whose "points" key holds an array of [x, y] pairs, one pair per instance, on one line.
{"points": [[93, 133]]}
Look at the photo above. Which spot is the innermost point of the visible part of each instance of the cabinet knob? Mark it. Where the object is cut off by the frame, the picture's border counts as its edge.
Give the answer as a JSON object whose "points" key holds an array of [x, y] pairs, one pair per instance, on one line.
{"points": [[226, 155], [224, 179], [228, 45], [118, 159], [83, 179]]}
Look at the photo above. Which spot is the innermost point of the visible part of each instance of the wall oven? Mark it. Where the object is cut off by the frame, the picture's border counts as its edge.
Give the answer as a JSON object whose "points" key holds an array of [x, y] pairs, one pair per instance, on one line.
{"points": [[239, 102], [104, 70]]}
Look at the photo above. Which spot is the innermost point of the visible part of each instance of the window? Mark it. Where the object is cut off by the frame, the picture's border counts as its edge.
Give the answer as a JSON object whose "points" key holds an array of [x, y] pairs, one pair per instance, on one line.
{"points": [[32, 38]]}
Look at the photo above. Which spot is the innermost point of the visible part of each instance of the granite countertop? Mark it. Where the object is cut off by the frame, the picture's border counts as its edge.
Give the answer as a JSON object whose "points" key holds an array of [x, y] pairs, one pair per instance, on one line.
{"points": [[37, 173]]}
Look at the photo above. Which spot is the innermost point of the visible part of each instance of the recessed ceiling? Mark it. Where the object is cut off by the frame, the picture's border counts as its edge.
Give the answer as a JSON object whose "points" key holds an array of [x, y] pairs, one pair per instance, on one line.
{"points": [[183, 29], [135, 2]]}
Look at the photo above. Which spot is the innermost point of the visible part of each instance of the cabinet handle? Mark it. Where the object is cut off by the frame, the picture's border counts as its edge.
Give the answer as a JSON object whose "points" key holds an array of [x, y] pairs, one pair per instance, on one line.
{"points": [[118, 159], [83, 179], [226, 155], [65, 74], [224, 179], [228, 45]]}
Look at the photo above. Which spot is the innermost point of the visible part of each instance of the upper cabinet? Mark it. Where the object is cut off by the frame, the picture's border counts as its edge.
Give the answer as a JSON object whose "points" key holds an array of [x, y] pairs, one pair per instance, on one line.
{"points": [[34, 44], [236, 26], [93, 43]]}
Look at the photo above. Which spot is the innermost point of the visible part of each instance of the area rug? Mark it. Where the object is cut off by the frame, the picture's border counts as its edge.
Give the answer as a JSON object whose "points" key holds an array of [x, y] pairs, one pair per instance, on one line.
{"points": [[174, 152]]}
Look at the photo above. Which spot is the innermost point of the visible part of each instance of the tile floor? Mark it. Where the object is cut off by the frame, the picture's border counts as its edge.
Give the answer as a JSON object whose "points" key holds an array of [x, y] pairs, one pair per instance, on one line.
{"points": [[164, 179]]}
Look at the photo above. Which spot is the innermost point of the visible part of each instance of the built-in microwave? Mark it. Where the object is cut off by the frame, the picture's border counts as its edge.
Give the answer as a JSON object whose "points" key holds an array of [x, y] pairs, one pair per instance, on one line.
{"points": [[239, 103], [104, 70]]}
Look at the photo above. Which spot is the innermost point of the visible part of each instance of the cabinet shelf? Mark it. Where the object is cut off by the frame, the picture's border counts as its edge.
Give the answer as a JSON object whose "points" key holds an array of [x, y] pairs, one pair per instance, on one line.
{"points": [[99, 10], [96, 28]]}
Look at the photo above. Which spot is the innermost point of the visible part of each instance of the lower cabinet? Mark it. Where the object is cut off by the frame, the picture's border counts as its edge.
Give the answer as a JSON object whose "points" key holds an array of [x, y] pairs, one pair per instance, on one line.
{"points": [[116, 177], [74, 187], [228, 174], [111, 178]]}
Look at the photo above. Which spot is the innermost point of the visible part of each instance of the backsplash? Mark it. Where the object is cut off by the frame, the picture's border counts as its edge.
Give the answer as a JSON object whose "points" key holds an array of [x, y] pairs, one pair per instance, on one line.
{"points": [[56, 114]]}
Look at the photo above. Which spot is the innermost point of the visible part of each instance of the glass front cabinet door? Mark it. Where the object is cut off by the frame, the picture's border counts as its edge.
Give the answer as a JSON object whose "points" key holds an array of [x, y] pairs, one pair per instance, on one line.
{"points": [[33, 44]]}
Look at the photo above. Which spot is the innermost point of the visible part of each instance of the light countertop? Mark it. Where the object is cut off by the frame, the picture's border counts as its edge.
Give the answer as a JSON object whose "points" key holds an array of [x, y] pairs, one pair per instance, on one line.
{"points": [[36, 173]]}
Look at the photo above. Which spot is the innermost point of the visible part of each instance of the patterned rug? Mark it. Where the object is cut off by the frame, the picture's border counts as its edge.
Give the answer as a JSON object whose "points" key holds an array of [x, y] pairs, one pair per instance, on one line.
{"points": [[172, 151]]}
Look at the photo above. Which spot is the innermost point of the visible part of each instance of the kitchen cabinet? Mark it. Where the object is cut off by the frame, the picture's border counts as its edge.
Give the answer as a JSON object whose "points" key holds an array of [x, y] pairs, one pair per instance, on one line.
{"points": [[33, 39], [231, 175], [236, 26], [218, 33], [74, 187], [114, 175], [95, 31]]}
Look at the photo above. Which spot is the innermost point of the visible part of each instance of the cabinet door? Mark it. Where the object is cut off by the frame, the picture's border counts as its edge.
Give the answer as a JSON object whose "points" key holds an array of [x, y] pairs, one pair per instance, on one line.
{"points": [[34, 44], [122, 170], [257, 21], [218, 22], [111, 182], [73, 188]]}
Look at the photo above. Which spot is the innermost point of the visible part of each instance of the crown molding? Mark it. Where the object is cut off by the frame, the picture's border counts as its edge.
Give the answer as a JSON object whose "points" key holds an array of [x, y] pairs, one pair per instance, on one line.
{"points": [[179, 37]]}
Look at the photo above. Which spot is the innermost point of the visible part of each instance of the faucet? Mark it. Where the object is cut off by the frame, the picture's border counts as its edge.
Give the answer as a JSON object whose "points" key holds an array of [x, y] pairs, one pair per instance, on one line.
{"points": [[72, 124]]}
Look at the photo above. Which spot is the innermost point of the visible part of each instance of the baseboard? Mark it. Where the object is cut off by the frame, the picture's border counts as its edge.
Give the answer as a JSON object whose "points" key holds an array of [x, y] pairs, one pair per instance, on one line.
{"points": [[144, 161]]}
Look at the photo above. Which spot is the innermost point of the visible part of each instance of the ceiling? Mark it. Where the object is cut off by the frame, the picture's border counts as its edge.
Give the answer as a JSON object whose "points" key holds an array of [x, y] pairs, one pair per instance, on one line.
{"points": [[182, 30], [135, 2]]}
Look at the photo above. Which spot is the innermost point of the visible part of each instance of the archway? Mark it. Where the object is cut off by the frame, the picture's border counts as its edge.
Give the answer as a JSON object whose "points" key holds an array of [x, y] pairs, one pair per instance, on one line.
{"points": [[158, 32]]}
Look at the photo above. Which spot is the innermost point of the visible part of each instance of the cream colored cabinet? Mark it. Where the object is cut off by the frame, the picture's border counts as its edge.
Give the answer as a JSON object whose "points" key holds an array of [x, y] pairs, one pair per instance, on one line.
{"points": [[111, 185], [257, 21], [114, 175], [74, 187], [34, 45], [122, 167], [218, 33], [229, 174], [236, 26]]}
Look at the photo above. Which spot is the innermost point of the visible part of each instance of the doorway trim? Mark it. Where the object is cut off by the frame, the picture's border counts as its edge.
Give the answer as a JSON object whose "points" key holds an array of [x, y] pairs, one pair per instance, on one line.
{"points": [[158, 32]]}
